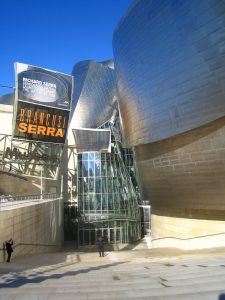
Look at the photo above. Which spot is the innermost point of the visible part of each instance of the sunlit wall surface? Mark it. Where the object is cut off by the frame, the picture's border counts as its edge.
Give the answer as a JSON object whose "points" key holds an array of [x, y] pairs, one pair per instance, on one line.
{"points": [[94, 93], [170, 66], [169, 59]]}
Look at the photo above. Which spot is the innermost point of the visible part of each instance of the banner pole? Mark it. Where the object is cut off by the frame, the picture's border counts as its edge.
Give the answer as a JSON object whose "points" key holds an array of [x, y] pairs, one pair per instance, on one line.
{"points": [[41, 183]]}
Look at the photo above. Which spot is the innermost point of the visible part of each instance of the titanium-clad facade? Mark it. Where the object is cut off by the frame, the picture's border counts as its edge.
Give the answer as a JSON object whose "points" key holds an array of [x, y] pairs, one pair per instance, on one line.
{"points": [[169, 60], [170, 67], [94, 94]]}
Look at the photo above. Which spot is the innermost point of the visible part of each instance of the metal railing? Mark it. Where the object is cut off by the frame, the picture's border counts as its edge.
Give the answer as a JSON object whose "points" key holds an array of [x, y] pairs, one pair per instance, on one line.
{"points": [[18, 200], [3, 248]]}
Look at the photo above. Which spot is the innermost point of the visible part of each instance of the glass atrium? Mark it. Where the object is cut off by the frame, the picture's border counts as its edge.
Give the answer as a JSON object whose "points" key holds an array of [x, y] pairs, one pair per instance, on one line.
{"points": [[107, 195]]}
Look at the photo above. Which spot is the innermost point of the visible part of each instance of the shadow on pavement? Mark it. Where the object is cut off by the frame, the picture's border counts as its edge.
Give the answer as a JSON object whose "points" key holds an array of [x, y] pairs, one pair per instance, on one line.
{"points": [[20, 280]]}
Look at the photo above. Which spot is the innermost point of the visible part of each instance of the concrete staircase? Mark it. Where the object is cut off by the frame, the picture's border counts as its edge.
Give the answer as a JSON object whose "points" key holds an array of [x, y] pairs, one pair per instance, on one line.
{"points": [[141, 274]]}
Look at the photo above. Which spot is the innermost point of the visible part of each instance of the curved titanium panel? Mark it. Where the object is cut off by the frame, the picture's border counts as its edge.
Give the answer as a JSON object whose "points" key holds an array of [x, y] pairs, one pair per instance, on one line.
{"points": [[170, 65], [94, 87]]}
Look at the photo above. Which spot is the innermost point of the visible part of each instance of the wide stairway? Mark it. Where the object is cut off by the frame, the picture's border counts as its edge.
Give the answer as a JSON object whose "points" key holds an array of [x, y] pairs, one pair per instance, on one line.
{"points": [[139, 274]]}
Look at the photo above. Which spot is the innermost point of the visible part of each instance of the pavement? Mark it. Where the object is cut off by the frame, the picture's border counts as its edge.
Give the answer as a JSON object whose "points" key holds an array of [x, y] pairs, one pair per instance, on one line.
{"points": [[138, 274]]}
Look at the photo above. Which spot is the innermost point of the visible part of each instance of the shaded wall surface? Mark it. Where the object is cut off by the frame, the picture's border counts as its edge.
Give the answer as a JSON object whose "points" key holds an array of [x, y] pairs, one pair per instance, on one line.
{"points": [[34, 228], [184, 175], [170, 68]]}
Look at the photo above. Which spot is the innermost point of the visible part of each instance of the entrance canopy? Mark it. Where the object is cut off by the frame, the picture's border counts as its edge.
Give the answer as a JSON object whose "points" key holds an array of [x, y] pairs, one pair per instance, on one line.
{"points": [[88, 140]]}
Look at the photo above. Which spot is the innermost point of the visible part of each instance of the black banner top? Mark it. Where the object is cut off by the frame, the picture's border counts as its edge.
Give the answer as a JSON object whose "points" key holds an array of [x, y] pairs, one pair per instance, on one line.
{"points": [[42, 104]]}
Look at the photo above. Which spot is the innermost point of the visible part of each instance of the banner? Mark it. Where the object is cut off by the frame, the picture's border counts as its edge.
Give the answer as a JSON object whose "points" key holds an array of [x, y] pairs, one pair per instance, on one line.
{"points": [[42, 104]]}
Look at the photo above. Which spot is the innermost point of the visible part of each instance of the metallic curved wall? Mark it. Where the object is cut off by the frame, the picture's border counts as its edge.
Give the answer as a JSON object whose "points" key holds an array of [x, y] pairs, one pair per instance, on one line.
{"points": [[94, 93], [170, 68], [170, 64]]}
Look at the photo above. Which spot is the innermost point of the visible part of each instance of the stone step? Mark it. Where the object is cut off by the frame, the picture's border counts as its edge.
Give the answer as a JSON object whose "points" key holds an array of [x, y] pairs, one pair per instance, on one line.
{"points": [[163, 293], [128, 290]]}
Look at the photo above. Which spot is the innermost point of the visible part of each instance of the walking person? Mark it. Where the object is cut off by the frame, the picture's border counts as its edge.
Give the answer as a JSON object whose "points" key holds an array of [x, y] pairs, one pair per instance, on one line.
{"points": [[101, 246], [9, 248]]}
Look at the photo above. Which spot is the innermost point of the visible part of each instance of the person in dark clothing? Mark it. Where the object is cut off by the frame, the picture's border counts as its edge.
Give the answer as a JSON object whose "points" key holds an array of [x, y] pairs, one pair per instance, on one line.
{"points": [[101, 246], [9, 248]]}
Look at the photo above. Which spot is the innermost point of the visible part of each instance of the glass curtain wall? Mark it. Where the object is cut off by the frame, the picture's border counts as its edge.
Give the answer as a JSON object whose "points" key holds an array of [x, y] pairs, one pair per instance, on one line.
{"points": [[107, 198]]}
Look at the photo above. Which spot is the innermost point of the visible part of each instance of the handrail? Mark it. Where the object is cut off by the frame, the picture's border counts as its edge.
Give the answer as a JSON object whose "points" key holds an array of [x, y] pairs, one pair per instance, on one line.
{"points": [[5, 199], [11, 202], [28, 244]]}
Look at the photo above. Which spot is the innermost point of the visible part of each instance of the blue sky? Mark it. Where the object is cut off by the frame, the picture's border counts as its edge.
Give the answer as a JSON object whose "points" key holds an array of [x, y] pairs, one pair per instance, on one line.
{"points": [[55, 34]]}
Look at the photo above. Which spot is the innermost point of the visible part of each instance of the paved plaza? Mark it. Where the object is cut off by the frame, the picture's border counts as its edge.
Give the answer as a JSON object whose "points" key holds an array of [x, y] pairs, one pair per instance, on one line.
{"points": [[139, 274]]}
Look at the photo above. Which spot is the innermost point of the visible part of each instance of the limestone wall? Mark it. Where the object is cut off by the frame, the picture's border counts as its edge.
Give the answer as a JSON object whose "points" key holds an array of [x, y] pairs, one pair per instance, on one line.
{"points": [[34, 228], [186, 233]]}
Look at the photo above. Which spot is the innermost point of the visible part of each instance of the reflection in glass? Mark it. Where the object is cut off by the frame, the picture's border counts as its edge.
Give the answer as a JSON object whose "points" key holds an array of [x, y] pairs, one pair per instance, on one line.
{"points": [[97, 168], [91, 185], [98, 185], [91, 167], [91, 155], [84, 156], [85, 168]]}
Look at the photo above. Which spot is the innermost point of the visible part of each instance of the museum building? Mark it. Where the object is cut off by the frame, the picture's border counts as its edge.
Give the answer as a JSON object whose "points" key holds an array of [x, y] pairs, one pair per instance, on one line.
{"points": [[149, 127]]}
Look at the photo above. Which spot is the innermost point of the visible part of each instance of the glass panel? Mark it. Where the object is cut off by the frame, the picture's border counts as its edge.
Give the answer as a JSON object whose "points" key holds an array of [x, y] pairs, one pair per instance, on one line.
{"points": [[86, 202], [80, 186], [80, 203], [91, 201], [104, 202], [109, 173], [81, 237], [92, 242], [112, 235], [112, 171], [110, 202], [91, 155], [91, 166], [97, 168], [104, 185], [85, 156], [91, 185], [116, 203], [85, 185], [98, 202], [118, 235], [80, 168], [104, 172], [105, 235], [109, 185], [85, 168], [98, 186], [86, 237], [97, 156], [111, 224], [124, 231]]}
